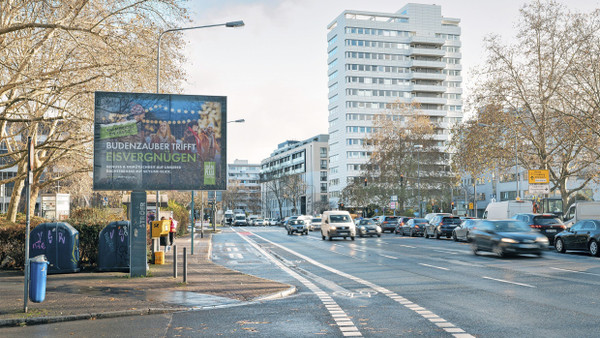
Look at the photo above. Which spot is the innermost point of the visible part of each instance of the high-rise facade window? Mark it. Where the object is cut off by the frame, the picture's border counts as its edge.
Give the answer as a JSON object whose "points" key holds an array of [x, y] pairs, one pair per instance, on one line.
{"points": [[412, 55]]}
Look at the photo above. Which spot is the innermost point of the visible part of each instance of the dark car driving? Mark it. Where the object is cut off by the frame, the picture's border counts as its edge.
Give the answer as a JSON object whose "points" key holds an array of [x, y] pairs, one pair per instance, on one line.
{"points": [[389, 223], [547, 224], [510, 236], [441, 226], [583, 235], [414, 227]]}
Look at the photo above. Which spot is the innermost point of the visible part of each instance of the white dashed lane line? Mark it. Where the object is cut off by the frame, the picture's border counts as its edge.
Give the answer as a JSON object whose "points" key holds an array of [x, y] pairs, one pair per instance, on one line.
{"points": [[509, 282], [435, 267], [340, 317], [582, 272], [423, 312]]}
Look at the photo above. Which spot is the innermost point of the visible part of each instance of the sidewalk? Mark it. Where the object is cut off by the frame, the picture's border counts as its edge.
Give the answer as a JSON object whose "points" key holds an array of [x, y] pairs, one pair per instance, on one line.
{"points": [[88, 295]]}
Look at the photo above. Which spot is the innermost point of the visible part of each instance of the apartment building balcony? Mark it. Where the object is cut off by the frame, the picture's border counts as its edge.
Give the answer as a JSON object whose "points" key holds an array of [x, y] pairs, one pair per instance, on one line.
{"points": [[427, 51], [427, 64], [429, 100], [427, 40], [420, 74], [428, 88]]}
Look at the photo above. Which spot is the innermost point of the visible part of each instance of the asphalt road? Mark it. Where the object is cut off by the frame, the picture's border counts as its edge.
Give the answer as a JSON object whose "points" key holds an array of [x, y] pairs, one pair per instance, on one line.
{"points": [[388, 286]]}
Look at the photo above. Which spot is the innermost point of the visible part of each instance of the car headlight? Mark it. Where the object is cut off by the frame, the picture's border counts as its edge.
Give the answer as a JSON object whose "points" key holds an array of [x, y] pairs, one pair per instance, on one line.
{"points": [[542, 239], [362, 228], [508, 240], [378, 228], [332, 228]]}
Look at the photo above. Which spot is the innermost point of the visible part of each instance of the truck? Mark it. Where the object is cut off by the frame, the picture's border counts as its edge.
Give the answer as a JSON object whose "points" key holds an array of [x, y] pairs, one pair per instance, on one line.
{"points": [[581, 210], [228, 217], [507, 209]]}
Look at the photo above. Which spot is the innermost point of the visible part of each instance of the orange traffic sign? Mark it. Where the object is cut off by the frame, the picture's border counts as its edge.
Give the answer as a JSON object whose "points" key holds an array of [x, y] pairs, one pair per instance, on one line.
{"points": [[539, 176]]}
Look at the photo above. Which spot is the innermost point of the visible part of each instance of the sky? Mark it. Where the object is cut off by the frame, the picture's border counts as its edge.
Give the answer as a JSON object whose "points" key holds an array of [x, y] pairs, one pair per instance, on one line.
{"points": [[274, 69]]}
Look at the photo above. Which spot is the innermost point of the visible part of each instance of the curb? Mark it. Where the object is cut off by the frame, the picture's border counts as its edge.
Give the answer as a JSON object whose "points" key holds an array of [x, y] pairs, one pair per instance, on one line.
{"points": [[88, 316]]}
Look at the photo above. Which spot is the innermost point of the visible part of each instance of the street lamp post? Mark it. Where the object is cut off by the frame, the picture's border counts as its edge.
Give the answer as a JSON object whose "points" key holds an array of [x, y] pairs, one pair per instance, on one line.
{"points": [[419, 146], [233, 24]]}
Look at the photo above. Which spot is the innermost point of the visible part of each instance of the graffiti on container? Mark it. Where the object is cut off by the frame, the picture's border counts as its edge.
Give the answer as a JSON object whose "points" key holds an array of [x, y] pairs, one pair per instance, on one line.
{"points": [[39, 244], [49, 236], [61, 237], [123, 233], [108, 239]]}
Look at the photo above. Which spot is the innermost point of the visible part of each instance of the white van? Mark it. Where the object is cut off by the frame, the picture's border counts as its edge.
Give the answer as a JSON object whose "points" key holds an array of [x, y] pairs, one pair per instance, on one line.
{"points": [[337, 223], [581, 210], [507, 209]]}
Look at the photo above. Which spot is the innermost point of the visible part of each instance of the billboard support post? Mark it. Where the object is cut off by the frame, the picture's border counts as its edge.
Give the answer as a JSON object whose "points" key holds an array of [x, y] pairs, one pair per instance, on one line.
{"points": [[137, 238]]}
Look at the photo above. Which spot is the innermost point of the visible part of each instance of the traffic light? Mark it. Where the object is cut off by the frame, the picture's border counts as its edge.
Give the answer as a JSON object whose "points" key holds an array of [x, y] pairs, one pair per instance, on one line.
{"points": [[452, 205], [401, 178], [341, 206], [365, 181]]}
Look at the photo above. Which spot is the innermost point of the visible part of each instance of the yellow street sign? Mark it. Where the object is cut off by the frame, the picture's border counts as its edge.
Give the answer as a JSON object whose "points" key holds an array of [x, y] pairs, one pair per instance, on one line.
{"points": [[539, 176], [471, 206]]}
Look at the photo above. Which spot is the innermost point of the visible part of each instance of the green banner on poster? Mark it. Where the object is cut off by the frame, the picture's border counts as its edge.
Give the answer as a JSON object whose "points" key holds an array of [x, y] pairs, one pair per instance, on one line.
{"points": [[209, 173]]}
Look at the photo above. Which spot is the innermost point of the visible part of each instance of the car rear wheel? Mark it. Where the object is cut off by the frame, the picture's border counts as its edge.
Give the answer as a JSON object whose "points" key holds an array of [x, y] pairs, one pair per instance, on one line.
{"points": [[412, 233], [436, 234], [559, 246], [594, 248], [454, 237]]}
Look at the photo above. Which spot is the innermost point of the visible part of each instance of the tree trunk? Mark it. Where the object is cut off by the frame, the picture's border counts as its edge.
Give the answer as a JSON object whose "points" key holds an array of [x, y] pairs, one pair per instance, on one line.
{"points": [[15, 197]]}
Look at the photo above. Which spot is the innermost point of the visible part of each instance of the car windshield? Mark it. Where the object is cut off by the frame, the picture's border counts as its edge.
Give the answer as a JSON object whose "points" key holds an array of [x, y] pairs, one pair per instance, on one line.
{"points": [[421, 220], [391, 219], [546, 220], [366, 222], [316, 220], [451, 220], [511, 226], [340, 219]]}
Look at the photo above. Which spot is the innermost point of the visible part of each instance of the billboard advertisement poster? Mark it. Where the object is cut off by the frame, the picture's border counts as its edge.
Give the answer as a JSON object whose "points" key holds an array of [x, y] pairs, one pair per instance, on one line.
{"points": [[159, 142]]}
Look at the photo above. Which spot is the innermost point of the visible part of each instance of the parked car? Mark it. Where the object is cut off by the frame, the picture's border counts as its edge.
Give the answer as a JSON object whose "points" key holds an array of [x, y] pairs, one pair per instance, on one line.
{"points": [[547, 224], [402, 220], [258, 222], [414, 227], [463, 232], [337, 223], [367, 227], [430, 216], [441, 225], [296, 226], [583, 235], [316, 223], [388, 223], [582, 211], [510, 236]]}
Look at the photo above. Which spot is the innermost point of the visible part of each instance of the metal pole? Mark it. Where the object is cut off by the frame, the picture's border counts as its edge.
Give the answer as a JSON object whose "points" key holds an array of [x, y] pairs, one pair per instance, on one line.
{"points": [[214, 218], [475, 198], [202, 216], [185, 265], [175, 261], [28, 223], [517, 168], [419, 181], [193, 222]]}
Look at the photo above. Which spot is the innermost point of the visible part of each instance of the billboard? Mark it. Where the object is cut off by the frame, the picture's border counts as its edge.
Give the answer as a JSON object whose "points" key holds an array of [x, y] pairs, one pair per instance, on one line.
{"points": [[159, 142]]}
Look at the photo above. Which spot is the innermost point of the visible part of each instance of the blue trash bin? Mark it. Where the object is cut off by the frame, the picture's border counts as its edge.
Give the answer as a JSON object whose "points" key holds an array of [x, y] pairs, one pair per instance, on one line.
{"points": [[38, 269]]}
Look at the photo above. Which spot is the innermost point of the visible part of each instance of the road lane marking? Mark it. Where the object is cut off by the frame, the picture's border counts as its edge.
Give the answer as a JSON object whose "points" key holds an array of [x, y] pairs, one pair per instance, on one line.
{"points": [[408, 246], [585, 273], [390, 257], [509, 282], [399, 299], [235, 256], [344, 323], [433, 266]]}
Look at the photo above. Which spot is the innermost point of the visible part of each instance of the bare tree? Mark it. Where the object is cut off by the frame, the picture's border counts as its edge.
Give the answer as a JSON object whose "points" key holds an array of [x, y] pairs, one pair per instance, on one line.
{"points": [[55, 55], [527, 95], [295, 187], [275, 189]]}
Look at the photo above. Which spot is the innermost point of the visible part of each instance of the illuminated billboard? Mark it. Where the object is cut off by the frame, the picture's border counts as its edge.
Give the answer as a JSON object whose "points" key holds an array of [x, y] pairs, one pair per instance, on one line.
{"points": [[159, 142]]}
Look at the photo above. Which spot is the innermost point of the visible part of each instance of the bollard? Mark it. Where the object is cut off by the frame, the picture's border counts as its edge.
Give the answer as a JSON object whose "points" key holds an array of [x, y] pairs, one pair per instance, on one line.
{"points": [[174, 261], [184, 265]]}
